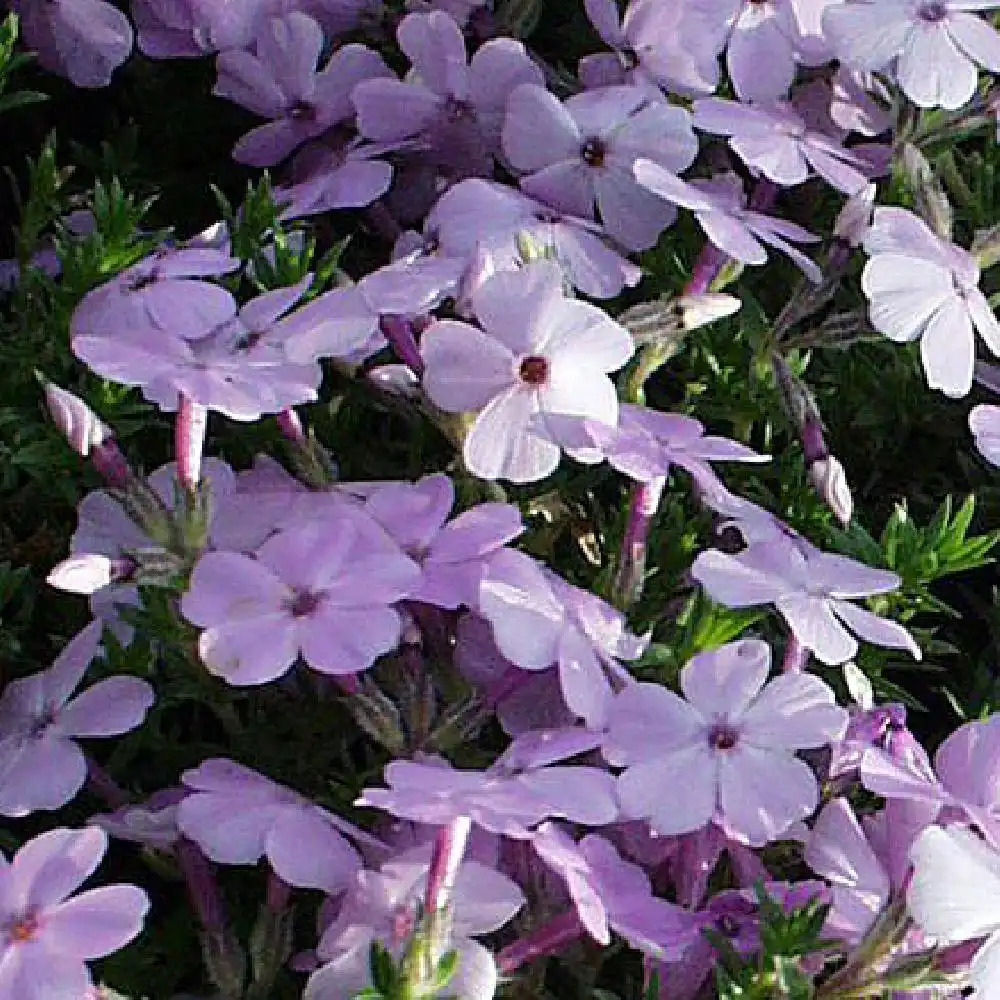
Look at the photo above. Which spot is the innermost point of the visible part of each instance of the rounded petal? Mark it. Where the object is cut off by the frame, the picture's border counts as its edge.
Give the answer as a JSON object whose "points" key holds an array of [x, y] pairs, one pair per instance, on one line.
{"points": [[227, 587], [50, 866], [816, 627], [933, 71], [464, 368], [250, 652], [676, 793], [110, 707], [874, 629], [904, 293], [976, 38], [648, 720], [948, 349], [97, 922], [724, 681], [343, 641], [46, 773], [305, 851], [538, 129], [794, 712], [500, 444]]}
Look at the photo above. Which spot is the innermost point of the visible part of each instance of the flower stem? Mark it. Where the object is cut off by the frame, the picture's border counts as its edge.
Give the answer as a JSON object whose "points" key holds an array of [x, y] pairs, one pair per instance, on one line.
{"points": [[549, 939]]}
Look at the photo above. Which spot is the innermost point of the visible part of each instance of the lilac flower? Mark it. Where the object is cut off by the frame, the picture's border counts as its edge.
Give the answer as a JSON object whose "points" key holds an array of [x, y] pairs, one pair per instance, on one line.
{"points": [[920, 286], [382, 906], [582, 152], [163, 293], [152, 823], [611, 893], [656, 43], [726, 753], [478, 215], [280, 81], [172, 29], [934, 46], [452, 556], [41, 767], [775, 140], [84, 40], [540, 353], [322, 589], [434, 792], [809, 589], [539, 620], [984, 422], [448, 109], [47, 937], [719, 205], [237, 816], [239, 368]]}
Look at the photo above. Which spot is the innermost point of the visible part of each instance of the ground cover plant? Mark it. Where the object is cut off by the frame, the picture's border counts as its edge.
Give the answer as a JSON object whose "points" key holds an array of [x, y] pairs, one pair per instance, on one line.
{"points": [[499, 500]]}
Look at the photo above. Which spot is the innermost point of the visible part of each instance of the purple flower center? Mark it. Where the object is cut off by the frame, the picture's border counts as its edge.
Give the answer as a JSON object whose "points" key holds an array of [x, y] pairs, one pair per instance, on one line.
{"points": [[727, 925], [459, 111], [593, 151], [141, 281], [723, 736], [534, 370], [22, 928], [304, 603], [303, 111], [933, 11]]}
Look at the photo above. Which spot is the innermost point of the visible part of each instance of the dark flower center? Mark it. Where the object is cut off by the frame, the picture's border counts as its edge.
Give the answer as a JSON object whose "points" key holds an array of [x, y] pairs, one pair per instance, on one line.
{"points": [[933, 11], [628, 58], [723, 736], [534, 370], [727, 925], [141, 281], [304, 603], [302, 111], [21, 929], [593, 152]]}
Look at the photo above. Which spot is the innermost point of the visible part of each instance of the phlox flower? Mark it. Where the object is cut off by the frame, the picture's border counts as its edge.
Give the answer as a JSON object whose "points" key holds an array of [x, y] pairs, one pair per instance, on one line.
{"points": [[477, 215], [279, 81], [152, 823], [656, 43], [83, 40], [719, 205], [539, 620], [382, 906], [954, 896], [41, 766], [238, 368], [47, 937], [452, 555], [774, 139], [538, 352], [178, 29], [163, 294], [984, 422], [725, 752], [508, 804], [920, 286], [581, 152], [322, 589], [612, 894], [810, 590], [448, 108], [934, 46], [237, 816]]}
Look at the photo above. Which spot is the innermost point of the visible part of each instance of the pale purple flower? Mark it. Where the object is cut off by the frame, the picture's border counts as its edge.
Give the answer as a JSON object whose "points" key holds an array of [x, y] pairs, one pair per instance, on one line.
{"points": [[163, 294], [41, 766], [984, 422], [508, 804], [581, 152], [657, 43], [322, 589], [810, 590], [839, 851], [775, 140], [477, 215], [383, 905], [920, 286], [239, 368], [725, 752], [452, 555], [83, 40], [447, 108], [933, 46], [152, 823], [612, 894], [719, 205], [237, 816], [539, 620], [279, 81], [539, 352], [48, 938]]}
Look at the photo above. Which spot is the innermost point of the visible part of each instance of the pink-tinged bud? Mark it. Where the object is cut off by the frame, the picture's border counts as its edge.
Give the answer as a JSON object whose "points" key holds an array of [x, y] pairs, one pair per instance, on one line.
{"points": [[480, 270], [703, 308], [86, 574], [830, 482], [290, 425], [190, 429], [855, 217], [399, 331], [82, 428]]}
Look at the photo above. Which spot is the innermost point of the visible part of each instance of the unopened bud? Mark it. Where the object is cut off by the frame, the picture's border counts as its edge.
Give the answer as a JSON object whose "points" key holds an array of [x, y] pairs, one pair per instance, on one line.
{"points": [[190, 429], [81, 427], [378, 716], [830, 482], [929, 197], [986, 247], [855, 218], [479, 271], [704, 308], [88, 573], [399, 380]]}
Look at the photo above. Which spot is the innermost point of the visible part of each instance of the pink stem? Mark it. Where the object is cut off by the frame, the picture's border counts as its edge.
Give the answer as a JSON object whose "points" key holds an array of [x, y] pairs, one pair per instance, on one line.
{"points": [[796, 656], [203, 890], [549, 939], [104, 786], [398, 330], [446, 859]]}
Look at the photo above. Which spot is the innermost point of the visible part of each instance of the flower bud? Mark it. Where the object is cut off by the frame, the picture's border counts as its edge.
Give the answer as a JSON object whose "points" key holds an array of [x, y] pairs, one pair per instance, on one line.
{"points": [[88, 573], [830, 482], [929, 196], [707, 307], [81, 427], [855, 218], [479, 271]]}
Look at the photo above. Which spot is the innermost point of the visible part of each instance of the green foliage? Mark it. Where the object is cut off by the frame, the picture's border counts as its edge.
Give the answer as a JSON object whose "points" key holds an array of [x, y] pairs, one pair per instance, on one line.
{"points": [[10, 62]]}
